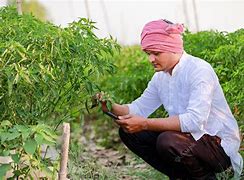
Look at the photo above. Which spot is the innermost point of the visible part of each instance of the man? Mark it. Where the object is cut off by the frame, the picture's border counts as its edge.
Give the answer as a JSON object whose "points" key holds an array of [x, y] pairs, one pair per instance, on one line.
{"points": [[200, 137]]}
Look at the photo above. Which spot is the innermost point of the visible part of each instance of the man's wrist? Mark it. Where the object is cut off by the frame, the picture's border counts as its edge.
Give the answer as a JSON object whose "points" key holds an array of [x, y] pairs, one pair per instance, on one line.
{"points": [[146, 124]]}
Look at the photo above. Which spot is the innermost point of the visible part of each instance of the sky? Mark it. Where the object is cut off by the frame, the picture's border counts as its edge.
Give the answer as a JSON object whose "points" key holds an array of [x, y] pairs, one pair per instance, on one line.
{"points": [[124, 19]]}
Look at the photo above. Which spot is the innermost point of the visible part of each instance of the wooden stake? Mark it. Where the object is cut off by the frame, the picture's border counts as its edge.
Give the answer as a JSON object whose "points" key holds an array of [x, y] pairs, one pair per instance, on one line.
{"points": [[62, 175], [19, 7]]}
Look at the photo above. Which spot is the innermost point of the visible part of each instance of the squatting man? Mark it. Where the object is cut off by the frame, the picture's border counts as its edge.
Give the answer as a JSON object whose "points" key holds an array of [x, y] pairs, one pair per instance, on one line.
{"points": [[200, 137]]}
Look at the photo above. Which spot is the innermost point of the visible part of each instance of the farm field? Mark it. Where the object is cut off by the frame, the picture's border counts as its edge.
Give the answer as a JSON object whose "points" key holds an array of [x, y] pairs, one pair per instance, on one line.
{"points": [[48, 75]]}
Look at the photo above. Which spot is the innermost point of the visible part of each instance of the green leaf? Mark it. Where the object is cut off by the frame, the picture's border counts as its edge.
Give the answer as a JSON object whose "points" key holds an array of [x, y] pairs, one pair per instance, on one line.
{"points": [[6, 152], [20, 128], [25, 131], [13, 135], [15, 158], [25, 134], [47, 138], [30, 146], [17, 173], [3, 169], [5, 136], [49, 143], [39, 138], [6, 123]]}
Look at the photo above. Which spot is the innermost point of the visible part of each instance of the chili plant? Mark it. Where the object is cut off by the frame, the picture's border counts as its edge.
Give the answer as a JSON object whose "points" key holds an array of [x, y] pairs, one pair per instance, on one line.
{"points": [[47, 73]]}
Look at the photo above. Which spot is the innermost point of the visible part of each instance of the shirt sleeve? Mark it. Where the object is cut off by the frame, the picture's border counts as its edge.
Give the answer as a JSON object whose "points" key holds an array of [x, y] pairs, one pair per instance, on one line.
{"points": [[148, 102], [202, 85]]}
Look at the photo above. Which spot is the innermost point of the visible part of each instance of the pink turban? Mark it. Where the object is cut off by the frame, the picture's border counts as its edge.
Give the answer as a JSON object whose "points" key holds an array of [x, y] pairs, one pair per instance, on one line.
{"points": [[161, 36]]}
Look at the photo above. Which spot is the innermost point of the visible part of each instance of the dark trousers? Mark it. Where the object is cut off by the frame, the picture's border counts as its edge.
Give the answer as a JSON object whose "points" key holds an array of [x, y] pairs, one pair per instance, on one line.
{"points": [[177, 154]]}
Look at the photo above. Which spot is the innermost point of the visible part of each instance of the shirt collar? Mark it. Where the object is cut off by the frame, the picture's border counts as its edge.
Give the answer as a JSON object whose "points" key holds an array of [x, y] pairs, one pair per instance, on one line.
{"points": [[179, 64]]}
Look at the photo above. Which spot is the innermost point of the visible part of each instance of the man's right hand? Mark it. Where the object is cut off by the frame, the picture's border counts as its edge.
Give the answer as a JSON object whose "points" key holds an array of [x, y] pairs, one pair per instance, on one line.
{"points": [[98, 97], [132, 123]]}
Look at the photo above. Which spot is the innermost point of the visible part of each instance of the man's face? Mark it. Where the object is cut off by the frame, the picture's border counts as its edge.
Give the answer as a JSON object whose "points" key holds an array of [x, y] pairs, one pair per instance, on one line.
{"points": [[161, 61]]}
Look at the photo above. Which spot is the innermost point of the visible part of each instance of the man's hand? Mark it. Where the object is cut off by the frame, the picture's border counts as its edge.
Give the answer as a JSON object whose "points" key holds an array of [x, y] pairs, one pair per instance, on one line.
{"points": [[105, 100], [100, 97], [132, 123]]}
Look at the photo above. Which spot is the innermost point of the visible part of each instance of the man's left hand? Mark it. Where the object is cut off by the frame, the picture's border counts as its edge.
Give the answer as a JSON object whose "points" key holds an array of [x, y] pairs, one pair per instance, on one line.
{"points": [[132, 123]]}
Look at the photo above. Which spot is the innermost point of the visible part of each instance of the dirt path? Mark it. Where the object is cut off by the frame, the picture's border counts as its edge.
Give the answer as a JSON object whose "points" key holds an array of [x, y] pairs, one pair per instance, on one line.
{"points": [[93, 161]]}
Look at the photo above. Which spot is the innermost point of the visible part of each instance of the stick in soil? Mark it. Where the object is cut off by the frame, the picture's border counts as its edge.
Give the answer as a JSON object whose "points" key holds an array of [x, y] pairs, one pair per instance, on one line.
{"points": [[64, 152]]}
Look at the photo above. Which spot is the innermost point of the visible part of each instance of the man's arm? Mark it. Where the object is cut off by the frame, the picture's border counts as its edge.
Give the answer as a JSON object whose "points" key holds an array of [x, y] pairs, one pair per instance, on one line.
{"points": [[164, 124], [120, 110], [134, 123]]}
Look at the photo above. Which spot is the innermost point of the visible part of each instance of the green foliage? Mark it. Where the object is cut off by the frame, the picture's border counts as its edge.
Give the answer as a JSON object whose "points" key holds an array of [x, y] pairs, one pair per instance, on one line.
{"points": [[132, 74], [21, 142], [47, 74]]}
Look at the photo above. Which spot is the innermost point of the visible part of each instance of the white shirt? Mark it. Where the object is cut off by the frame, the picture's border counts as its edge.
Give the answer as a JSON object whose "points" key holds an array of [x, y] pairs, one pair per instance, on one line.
{"points": [[193, 92]]}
